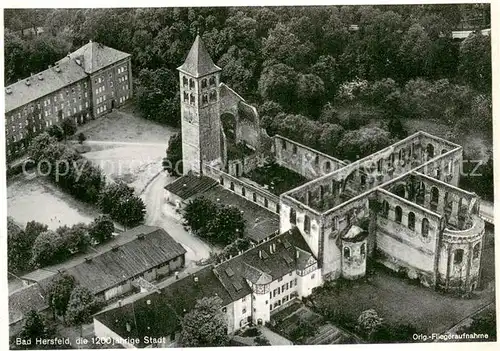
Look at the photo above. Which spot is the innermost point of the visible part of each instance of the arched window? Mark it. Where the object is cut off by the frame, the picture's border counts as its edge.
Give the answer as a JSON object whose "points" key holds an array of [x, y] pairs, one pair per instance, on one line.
{"points": [[191, 99], [307, 224], [458, 256], [231, 186], [243, 191], [184, 81], [186, 97], [411, 221], [204, 99], [211, 81], [362, 250], [363, 180], [328, 166], [221, 180], [425, 227], [254, 197], [420, 198], [430, 151], [283, 144], [385, 209], [293, 216], [434, 198], [476, 251], [444, 151], [347, 252], [334, 223], [203, 83], [191, 83], [321, 192], [294, 150], [399, 214], [213, 96], [266, 203]]}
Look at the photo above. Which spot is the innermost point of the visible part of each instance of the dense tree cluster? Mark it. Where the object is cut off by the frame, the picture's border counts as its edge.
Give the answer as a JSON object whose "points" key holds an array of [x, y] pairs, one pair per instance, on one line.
{"points": [[205, 325], [119, 201], [36, 246], [172, 163], [217, 223]]}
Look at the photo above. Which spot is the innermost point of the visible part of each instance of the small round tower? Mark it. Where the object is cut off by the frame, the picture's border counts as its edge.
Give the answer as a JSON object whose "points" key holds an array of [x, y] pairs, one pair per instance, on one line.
{"points": [[354, 253]]}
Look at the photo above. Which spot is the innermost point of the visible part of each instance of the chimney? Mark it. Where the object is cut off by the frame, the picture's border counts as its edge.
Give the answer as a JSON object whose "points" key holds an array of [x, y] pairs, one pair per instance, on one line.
{"points": [[140, 236], [58, 69], [114, 248], [195, 279], [88, 259], [40, 76], [28, 83], [8, 90], [119, 303]]}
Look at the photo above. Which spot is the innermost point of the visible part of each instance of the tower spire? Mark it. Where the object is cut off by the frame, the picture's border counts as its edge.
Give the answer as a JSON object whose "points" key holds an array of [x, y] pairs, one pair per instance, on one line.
{"points": [[198, 62]]}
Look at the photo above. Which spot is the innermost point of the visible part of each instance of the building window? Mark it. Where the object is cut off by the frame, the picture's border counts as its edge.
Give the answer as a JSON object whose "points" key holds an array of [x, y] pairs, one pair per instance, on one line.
{"points": [[476, 251], [425, 227], [328, 166], [231, 186], [307, 224], [191, 99], [362, 250], [283, 144], [244, 310], [191, 83], [312, 276], [385, 209], [213, 96], [204, 99], [254, 197], [293, 216], [399, 214], [186, 97], [212, 81], [266, 203], [294, 150], [458, 256], [411, 221], [203, 83], [347, 253]]}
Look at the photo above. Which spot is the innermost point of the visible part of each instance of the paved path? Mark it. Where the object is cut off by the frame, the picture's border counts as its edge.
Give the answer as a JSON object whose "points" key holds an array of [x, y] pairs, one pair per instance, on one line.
{"points": [[274, 339], [163, 215]]}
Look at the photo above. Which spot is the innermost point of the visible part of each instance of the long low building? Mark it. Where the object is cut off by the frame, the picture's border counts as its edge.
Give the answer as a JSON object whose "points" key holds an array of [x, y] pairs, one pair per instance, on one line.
{"points": [[151, 255], [251, 286]]}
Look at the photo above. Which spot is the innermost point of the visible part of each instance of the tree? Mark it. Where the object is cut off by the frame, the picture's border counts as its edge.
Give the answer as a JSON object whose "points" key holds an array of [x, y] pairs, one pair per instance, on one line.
{"points": [[48, 248], [35, 326], [18, 248], [81, 306], [310, 92], [75, 238], [59, 292], [39, 145], [81, 138], [368, 322], [484, 323], [102, 229], [69, 126], [56, 131], [173, 162], [205, 325], [130, 211], [362, 142], [475, 61], [226, 226], [198, 212], [111, 195], [277, 82]]}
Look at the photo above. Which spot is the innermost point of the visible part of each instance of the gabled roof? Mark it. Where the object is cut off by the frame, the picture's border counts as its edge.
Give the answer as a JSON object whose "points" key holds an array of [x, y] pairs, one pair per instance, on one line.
{"points": [[159, 314], [198, 62], [189, 185], [24, 300], [52, 79], [95, 56], [261, 265]]}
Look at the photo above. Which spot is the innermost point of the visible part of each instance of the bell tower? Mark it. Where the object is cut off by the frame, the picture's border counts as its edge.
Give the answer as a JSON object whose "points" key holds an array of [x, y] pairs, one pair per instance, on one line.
{"points": [[200, 113]]}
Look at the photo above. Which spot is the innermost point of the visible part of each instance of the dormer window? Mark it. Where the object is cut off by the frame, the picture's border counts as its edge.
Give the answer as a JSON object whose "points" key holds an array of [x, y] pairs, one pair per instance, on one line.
{"points": [[203, 83], [212, 81]]}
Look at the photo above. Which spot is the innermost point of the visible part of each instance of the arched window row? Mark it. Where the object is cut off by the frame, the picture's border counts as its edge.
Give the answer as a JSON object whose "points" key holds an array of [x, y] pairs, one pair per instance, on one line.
{"points": [[411, 219]]}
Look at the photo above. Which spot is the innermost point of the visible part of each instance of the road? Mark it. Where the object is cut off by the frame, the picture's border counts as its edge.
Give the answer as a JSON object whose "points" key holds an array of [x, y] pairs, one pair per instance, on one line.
{"points": [[163, 215]]}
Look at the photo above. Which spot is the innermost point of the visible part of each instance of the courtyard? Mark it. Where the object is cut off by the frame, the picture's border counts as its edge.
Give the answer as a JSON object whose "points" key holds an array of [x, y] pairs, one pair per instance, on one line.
{"points": [[401, 302], [275, 178]]}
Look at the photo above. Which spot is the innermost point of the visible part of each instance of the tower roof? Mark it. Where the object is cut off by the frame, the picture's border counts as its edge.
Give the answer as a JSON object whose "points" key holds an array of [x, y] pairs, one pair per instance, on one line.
{"points": [[198, 62]]}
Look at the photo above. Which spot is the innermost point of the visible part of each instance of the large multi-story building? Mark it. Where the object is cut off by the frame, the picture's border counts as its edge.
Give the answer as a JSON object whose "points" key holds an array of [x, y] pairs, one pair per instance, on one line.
{"points": [[84, 85], [400, 206]]}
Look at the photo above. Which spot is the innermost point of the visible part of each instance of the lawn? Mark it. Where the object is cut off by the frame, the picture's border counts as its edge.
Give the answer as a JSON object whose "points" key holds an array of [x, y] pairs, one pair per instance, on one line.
{"points": [[276, 178], [399, 302]]}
